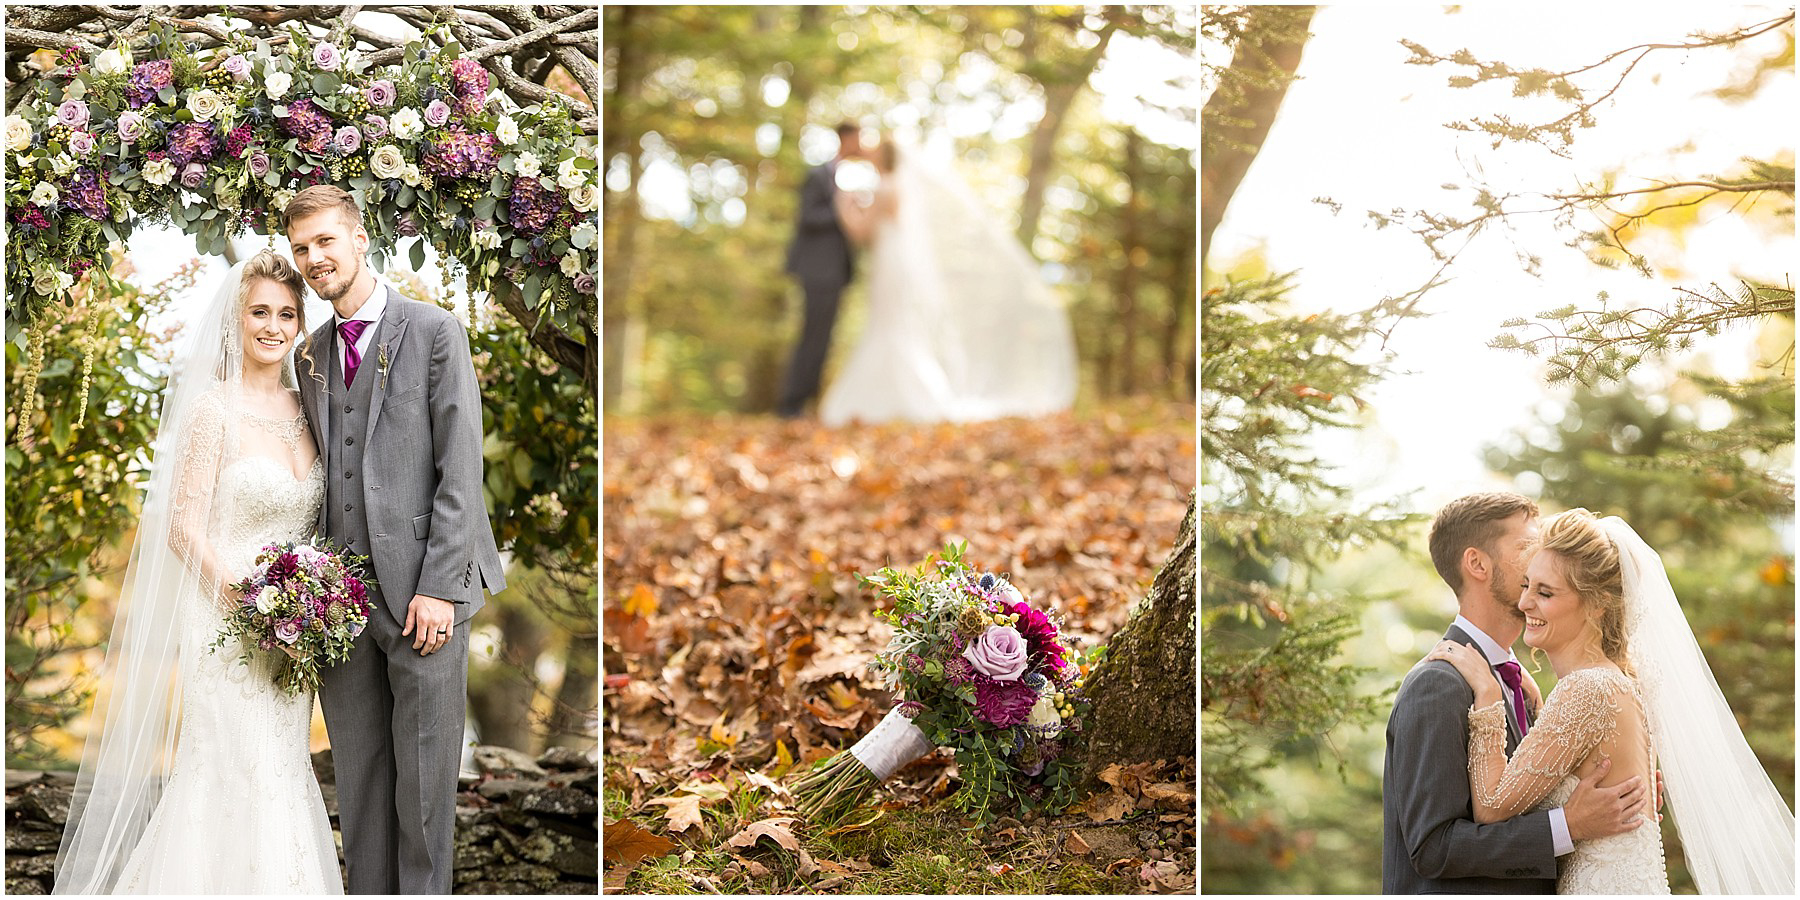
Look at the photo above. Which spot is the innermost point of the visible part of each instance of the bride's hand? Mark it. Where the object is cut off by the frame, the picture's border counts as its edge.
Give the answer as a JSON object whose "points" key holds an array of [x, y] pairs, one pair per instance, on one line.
{"points": [[1472, 666]]}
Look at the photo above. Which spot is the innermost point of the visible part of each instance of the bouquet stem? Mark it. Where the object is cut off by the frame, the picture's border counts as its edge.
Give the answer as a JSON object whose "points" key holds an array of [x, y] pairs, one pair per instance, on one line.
{"points": [[844, 781]]}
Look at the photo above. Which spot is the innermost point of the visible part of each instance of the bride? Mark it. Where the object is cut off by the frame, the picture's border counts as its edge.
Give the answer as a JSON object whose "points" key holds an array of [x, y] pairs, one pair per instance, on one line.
{"points": [[1631, 686], [212, 792], [961, 327]]}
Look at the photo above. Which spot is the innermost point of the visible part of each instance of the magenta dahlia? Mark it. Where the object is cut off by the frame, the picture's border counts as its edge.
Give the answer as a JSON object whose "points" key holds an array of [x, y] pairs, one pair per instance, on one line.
{"points": [[1003, 703], [1039, 634]]}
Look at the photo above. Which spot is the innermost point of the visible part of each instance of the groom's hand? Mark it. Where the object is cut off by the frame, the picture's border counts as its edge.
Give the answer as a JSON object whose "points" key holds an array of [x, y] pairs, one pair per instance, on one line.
{"points": [[1596, 812], [432, 619]]}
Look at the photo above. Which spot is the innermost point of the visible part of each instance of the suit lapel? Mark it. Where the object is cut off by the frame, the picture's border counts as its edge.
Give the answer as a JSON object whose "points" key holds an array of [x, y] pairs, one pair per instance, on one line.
{"points": [[1513, 734], [386, 345]]}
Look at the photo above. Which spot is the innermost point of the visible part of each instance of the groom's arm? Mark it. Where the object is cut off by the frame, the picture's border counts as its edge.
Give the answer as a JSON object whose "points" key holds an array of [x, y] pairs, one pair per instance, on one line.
{"points": [[818, 205], [457, 508], [1429, 737]]}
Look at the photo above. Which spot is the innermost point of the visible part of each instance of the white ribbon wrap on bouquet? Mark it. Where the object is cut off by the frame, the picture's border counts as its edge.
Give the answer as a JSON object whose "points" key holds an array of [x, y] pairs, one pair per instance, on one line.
{"points": [[893, 743]]}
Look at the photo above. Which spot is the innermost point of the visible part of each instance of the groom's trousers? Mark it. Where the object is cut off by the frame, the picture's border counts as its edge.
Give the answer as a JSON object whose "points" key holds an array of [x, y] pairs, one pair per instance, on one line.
{"points": [[802, 381], [396, 724]]}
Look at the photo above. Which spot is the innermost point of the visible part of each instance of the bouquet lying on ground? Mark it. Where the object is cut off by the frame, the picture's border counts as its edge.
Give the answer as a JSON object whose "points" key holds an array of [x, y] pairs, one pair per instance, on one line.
{"points": [[304, 600], [979, 670]]}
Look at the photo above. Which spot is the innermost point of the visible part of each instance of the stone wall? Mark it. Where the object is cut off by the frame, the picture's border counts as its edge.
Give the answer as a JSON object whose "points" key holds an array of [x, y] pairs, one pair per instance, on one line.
{"points": [[523, 825]]}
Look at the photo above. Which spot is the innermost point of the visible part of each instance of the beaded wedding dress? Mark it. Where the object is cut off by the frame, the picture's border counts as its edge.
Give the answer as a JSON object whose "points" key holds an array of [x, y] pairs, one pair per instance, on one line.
{"points": [[1582, 715], [241, 813]]}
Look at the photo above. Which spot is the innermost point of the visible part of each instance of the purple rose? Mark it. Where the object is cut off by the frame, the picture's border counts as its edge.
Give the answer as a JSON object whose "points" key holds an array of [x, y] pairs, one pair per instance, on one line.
{"points": [[435, 115], [238, 65], [288, 630], [348, 140], [73, 113], [409, 227], [193, 176], [131, 127], [82, 143], [999, 653], [380, 94], [326, 57], [584, 283], [259, 164], [377, 127]]}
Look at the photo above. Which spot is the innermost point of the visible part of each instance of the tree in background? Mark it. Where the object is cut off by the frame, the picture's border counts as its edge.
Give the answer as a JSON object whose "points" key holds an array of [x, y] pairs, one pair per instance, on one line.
{"points": [[714, 105]]}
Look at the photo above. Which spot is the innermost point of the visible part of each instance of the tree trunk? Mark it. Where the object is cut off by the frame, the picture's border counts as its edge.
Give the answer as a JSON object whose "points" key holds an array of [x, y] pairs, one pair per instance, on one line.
{"points": [[622, 217], [1181, 305], [1059, 96], [1143, 691], [500, 695], [572, 724], [1270, 64]]}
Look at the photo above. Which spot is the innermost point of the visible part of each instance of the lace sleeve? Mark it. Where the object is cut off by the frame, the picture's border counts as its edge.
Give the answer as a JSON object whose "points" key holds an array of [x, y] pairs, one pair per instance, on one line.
{"points": [[202, 447], [1579, 714]]}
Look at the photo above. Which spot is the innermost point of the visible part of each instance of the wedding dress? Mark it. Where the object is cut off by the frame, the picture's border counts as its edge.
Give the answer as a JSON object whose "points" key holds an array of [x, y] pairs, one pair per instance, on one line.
{"points": [[961, 327], [214, 793]]}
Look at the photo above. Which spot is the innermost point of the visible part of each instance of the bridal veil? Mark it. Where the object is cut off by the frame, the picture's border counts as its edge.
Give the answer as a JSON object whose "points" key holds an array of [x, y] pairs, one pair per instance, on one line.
{"points": [[131, 742], [1736, 830]]}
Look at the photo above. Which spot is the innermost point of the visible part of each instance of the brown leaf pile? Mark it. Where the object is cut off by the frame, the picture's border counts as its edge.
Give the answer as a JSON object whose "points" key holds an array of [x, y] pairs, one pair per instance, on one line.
{"points": [[736, 635]]}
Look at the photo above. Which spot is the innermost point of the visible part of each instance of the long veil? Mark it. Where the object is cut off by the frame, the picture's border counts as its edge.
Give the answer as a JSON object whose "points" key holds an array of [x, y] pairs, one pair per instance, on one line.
{"points": [[1736, 831], [1003, 335], [126, 760]]}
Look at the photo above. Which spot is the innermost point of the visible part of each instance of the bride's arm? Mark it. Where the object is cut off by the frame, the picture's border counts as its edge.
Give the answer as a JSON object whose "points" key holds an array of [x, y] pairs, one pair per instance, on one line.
{"points": [[202, 446], [1578, 715]]}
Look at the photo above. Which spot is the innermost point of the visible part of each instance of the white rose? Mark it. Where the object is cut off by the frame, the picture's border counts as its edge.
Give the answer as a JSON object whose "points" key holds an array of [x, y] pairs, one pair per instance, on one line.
{"points": [[277, 84], [507, 131], [64, 281], [46, 283], [18, 133], [45, 194], [265, 599], [113, 62], [205, 105], [412, 176], [387, 162], [62, 164], [585, 198], [1043, 713], [567, 176], [159, 172], [583, 235], [406, 124], [487, 239], [571, 264], [282, 198], [527, 165]]}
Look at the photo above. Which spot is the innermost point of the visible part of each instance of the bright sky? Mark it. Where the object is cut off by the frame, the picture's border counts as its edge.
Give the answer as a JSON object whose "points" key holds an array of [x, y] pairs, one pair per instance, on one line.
{"points": [[1366, 130]]}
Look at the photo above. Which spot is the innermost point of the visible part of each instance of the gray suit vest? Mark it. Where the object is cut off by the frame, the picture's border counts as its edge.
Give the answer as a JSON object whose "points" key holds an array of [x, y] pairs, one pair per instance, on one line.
{"points": [[345, 511]]}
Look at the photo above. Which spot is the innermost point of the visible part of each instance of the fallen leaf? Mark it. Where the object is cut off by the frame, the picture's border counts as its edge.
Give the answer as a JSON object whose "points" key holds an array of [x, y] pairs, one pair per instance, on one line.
{"points": [[774, 829], [626, 842], [642, 601], [1109, 807], [829, 883], [758, 779], [835, 868], [1074, 844], [682, 811]]}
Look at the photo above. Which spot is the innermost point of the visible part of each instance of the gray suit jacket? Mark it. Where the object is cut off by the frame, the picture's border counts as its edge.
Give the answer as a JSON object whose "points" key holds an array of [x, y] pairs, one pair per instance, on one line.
{"points": [[1430, 843], [428, 524], [820, 251]]}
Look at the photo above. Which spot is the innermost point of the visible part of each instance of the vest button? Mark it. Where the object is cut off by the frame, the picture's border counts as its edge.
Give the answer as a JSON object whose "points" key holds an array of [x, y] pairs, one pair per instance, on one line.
{"points": [[349, 441], [349, 409], [348, 476], [348, 507]]}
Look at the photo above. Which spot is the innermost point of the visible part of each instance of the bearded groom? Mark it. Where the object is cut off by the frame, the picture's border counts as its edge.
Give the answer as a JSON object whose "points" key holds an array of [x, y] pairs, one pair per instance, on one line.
{"points": [[392, 399]]}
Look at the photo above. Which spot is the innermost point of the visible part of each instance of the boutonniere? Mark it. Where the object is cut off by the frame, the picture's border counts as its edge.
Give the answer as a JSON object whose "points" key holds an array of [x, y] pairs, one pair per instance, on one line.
{"points": [[381, 362]]}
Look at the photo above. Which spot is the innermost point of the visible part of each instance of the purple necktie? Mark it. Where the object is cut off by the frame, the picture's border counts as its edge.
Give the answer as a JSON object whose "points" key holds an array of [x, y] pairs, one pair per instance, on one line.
{"points": [[351, 330], [1510, 675]]}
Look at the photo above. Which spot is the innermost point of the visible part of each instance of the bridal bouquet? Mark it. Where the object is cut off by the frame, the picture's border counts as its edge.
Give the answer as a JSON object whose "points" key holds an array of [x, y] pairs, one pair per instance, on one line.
{"points": [[304, 600], [982, 672]]}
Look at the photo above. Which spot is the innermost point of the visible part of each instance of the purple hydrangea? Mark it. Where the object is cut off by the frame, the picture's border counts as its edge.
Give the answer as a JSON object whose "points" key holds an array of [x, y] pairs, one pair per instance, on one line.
{"points": [[470, 83], [85, 193], [1003, 703], [459, 154], [533, 206], [192, 141], [147, 79], [310, 124]]}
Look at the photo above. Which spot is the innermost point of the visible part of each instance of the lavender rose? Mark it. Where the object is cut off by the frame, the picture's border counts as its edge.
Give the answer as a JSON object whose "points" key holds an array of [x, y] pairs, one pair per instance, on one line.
{"points": [[73, 113], [131, 127], [437, 113], [82, 143], [193, 176], [377, 127], [999, 654], [380, 94], [326, 57], [259, 164], [584, 283], [288, 630], [238, 65], [348, 140]]}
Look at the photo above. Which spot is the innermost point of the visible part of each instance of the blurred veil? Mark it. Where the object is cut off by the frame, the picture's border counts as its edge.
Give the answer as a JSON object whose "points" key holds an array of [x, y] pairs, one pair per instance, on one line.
{"points": [[1736, 831], [131, 742]]}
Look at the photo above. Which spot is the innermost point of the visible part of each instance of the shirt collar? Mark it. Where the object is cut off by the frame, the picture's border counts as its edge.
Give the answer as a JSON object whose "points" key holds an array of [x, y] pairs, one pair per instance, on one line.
{"points": [[1490, 648], [374, 306]]}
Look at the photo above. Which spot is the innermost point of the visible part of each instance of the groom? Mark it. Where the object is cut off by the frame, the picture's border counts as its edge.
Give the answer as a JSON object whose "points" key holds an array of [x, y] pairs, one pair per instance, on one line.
{"points": [[391, 395], [819, 258], [1430, 841]]}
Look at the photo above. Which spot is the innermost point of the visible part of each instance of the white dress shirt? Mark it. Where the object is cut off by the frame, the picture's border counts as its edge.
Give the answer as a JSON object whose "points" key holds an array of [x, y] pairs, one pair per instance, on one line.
{"points": [[1496, 654]]}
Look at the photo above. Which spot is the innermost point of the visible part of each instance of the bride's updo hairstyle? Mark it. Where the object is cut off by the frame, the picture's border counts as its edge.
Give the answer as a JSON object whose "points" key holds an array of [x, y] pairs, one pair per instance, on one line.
{"points": [[1590, 561]]}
